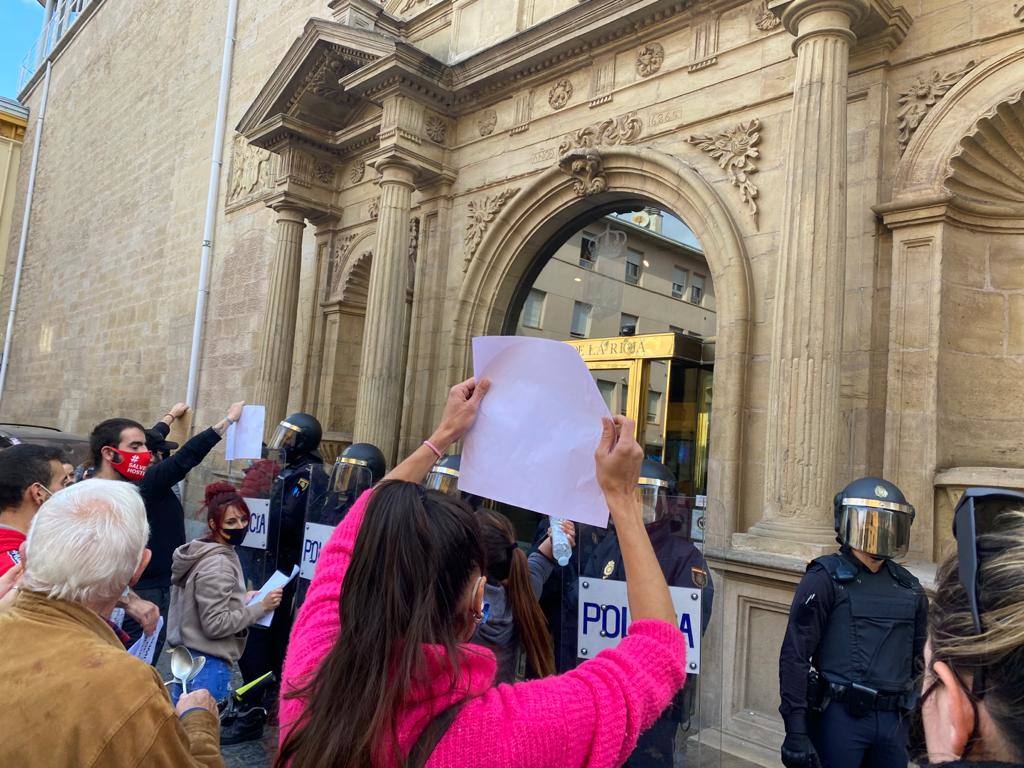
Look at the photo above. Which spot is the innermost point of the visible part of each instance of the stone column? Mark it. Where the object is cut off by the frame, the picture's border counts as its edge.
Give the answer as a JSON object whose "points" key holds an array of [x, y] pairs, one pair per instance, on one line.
{"points": [[382, 370], [804, 419], [274, 372]]}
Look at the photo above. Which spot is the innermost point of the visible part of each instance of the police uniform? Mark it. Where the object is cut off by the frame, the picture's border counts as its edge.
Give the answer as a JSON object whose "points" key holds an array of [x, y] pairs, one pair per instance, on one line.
{"points": [[855, 641]]}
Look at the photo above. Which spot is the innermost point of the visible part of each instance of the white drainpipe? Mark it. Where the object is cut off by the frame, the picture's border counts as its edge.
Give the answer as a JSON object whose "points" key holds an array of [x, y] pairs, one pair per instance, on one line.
{"points": [[212, 195], [23, 242]]}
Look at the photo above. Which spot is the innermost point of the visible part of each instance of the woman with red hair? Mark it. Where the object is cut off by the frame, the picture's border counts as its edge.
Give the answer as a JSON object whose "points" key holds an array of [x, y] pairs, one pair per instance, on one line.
{"points": [[209, 614]]}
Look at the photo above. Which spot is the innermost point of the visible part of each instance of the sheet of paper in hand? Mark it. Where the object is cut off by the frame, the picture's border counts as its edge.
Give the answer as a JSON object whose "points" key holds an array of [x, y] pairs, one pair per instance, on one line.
{"points": [[144, 647], [533, 442], [277, 580]]}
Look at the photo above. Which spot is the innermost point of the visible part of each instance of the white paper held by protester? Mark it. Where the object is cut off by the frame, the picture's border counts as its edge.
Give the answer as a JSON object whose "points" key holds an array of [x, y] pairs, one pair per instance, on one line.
{"points": [[145, 646], [277, 580], [533, 442], [244, 438]]}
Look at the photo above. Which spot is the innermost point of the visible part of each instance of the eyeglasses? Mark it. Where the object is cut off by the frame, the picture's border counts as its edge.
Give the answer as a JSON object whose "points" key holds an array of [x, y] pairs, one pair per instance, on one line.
{"points": [[970, 522]]}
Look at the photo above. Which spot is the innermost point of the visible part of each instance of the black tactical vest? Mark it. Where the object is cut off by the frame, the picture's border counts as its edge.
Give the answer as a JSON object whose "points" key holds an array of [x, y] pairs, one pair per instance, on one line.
{"points": [[869, 638]]}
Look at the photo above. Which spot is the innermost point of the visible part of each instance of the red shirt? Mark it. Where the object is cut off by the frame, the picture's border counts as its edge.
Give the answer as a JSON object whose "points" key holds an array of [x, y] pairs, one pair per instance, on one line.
{"points": [[10, 541]]}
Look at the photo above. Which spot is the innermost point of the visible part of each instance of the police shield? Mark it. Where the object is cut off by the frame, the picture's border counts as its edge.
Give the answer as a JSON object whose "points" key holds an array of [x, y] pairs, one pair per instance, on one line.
{"points": [[595, 611], [258, 552], [326, 506]]}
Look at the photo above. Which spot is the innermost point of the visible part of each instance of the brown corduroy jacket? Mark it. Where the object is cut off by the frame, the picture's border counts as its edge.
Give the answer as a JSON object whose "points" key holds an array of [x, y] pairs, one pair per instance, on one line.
{"points": [[70, 695]]}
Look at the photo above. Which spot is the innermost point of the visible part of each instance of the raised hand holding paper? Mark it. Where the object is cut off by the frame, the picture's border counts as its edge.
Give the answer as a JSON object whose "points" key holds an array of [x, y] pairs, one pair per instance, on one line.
{"points": [[244, 438], [534, 439]]}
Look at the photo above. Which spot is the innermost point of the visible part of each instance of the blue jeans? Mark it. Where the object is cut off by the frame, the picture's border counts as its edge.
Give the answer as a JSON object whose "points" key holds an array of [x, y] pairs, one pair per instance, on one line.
{"points": [[215, 677]]}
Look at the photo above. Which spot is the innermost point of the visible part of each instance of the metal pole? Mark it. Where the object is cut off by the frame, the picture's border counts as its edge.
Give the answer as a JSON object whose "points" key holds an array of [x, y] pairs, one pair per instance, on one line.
{"points": [[24, 231], [213, 193]]}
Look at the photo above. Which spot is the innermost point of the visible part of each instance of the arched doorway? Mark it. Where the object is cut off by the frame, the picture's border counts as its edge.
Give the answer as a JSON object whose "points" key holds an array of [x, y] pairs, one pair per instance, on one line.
{"points": [[631, 291], [540, 216]]}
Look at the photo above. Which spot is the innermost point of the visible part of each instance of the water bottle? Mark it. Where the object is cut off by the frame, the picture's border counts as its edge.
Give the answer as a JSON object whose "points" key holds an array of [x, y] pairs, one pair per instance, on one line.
{"points": [[559, 542]]}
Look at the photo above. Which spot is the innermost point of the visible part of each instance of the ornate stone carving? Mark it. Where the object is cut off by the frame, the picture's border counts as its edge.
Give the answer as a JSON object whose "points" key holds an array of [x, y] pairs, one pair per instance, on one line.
{"points": [[374, 209], [602, 80], [436, 128], [481, 213], [332, 281], [986, 173], [356, 171], [1018, 11], [649, 59], [324, 173], [487, 122], [624, 129], [735, 149], [560, 93], [766, 21], [916, 102], [325, 83], [523, 112], [252, 172], [585, 166], [414, 238], [409, 5]]}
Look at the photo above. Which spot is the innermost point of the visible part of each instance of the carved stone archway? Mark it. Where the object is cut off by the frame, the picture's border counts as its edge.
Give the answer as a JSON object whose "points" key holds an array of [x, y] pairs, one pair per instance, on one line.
{"points": [[545, 210]]}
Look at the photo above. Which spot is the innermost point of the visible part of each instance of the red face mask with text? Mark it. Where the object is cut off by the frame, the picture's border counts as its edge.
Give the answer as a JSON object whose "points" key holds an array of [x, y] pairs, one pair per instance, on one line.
{"points": [[132, 466]]}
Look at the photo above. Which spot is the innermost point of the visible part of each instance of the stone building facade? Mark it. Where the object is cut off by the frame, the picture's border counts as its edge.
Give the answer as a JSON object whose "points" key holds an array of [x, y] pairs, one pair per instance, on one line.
{"points": [[13, 119], [852, 169]]}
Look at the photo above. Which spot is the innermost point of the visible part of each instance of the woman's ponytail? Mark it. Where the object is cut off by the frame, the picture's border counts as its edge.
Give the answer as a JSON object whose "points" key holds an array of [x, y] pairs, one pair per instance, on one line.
{"points": [[531, 624]]}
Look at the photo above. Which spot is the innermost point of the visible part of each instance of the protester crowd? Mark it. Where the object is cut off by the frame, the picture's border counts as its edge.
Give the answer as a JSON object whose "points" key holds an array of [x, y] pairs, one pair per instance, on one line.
{"points": [[423, 638]]}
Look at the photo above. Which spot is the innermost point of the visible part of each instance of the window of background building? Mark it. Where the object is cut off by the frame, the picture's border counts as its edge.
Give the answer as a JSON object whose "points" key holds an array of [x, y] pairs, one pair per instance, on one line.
{"points": [[676, 329], [653, 407], [697, 289], [607, 390], [588, 251], [627, 324], [533, 309], [634, 266], [580, 319], [625, 399], [680, 277]]}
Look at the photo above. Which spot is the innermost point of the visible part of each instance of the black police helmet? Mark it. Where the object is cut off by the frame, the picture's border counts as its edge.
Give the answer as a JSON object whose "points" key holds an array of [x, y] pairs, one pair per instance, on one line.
{"points": [[368, 455], [655, 473], [870, 488], [452, 461], [310, 432]]}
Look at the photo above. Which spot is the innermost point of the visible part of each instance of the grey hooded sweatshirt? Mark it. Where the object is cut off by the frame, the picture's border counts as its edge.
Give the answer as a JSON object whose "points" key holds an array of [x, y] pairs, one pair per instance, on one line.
{"points": [[208, 610], [499, 631]]}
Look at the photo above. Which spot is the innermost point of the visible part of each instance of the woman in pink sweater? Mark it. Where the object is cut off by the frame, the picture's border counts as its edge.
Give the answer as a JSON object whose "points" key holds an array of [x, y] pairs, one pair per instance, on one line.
{"points": [[382, 675]]}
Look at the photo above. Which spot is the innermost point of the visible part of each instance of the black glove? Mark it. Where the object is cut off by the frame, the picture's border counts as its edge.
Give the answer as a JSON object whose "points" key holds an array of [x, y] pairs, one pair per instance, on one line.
{"points": [[798, 752]]}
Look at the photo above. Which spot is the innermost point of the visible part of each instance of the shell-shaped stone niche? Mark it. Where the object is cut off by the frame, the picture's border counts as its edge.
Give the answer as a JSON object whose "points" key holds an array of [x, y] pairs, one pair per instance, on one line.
{"points": [[986, 173]]}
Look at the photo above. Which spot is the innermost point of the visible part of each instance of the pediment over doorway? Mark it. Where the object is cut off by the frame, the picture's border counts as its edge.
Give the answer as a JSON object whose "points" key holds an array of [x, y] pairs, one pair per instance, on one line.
{"points": [[304, 96]]}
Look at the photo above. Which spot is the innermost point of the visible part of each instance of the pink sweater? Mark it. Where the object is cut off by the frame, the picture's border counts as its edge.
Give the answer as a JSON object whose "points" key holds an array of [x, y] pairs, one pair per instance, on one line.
{"points": [[590, 716]]}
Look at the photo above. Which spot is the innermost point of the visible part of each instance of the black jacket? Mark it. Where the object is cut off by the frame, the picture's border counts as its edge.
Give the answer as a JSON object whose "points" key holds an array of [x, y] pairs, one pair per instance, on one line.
{"points": [[163, 509]]}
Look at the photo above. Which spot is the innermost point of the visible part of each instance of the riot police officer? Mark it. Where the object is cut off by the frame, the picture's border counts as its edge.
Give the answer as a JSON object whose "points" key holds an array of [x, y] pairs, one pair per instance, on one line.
{"points": [[668, 525], [855, 640], [297, 439], [360, 466]]}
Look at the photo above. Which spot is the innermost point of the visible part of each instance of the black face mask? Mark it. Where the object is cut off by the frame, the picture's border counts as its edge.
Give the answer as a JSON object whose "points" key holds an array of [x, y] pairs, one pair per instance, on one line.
{"points": [[235, 536]]}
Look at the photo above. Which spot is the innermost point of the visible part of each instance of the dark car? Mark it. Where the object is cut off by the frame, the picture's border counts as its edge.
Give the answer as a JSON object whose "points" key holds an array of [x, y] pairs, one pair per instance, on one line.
{"points": [[75, 447]]}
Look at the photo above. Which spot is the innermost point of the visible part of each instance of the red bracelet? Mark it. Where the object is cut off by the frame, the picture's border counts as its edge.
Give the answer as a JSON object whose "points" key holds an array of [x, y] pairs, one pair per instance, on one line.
{"points": [[434, 448]]}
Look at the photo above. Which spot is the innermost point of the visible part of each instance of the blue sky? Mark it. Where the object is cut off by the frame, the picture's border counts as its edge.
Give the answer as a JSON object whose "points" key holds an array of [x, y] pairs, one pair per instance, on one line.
{"points": [[20, 23]]}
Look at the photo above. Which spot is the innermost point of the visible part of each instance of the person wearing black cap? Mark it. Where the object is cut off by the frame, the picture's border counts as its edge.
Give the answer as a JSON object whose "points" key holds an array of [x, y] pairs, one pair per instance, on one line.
{"points": [[668, 527], [854, 645]]}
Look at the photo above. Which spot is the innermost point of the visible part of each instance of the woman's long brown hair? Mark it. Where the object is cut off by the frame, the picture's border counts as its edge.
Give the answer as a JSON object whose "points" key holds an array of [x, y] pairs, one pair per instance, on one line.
{"points": [[507, 565], [405, 588]]}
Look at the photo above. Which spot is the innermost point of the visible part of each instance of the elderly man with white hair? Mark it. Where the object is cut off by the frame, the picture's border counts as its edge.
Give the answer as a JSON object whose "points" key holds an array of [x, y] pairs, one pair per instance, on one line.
{"points": [[71, 694]]}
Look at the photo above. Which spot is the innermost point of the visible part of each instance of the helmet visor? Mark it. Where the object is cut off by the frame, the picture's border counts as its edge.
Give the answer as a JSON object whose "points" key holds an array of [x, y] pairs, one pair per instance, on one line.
{"points": [[284, 436], [653, 499], [443, 479], [350, 476], [879, 532]]}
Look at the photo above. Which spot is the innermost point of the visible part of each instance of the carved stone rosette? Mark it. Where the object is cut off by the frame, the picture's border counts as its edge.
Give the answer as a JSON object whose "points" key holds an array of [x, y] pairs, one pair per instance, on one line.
{"points": [[324, 173], [487, 122], [374, 209], [917, 101], [649, 59], [481, 213], [735, 149], [560, 93], [624, 129], [356, 171], [585, 166], [436, 128]]}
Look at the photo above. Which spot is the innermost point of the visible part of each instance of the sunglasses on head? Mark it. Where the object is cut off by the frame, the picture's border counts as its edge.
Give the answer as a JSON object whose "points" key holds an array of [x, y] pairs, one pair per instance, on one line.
{"points": [[976, 516]]}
